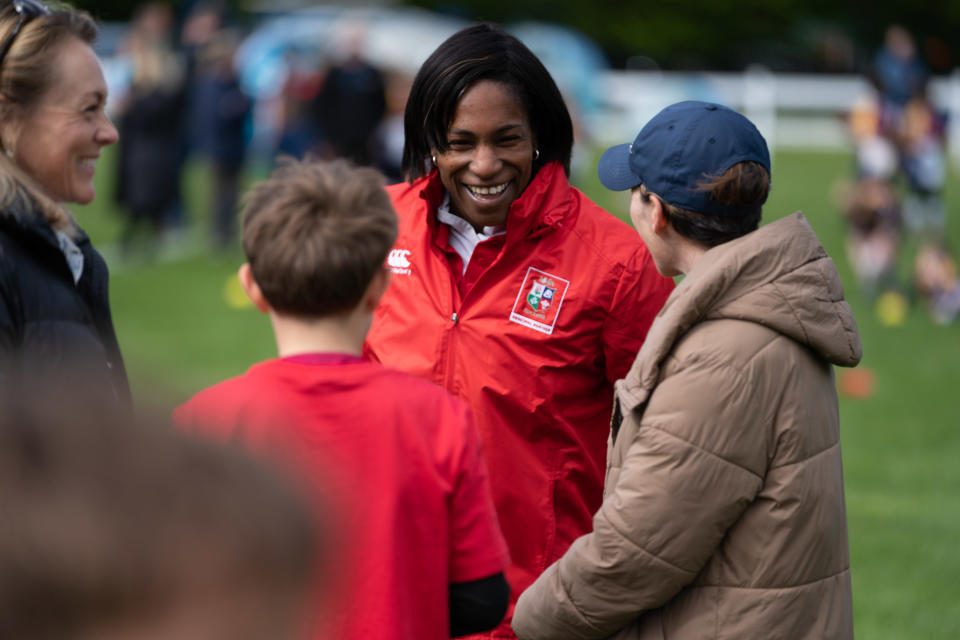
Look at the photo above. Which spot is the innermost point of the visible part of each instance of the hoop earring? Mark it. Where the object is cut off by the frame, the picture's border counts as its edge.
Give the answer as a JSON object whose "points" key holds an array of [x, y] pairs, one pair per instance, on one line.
{"points": [[536, 154]]}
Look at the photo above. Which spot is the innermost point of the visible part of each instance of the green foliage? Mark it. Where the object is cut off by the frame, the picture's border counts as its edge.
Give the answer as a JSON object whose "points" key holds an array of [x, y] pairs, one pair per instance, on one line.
{"points": [[179, 334], [686, 34], [723, 34], [114, 10]]}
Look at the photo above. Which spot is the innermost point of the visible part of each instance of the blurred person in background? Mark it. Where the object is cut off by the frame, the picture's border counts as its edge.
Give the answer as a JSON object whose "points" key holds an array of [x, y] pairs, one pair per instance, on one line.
{"points": [[898, 73], [203, 20], [915, 126], [912, 126], [871, 205], [873, 235], [511, 289], [54, 304], [298, 134], [921, 140], [724, 513], [937, 282], [222, 111], [151, 119], [351, 102], [388, 138], [116, 529]]}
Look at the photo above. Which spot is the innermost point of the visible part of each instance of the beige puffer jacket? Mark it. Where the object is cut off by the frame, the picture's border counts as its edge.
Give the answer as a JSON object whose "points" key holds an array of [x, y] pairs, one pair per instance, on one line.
{"points": [[723, 514]]}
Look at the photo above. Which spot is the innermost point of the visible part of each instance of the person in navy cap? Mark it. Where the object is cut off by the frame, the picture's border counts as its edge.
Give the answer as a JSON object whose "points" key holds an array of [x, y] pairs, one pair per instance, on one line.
{"points": [[723, 512]]}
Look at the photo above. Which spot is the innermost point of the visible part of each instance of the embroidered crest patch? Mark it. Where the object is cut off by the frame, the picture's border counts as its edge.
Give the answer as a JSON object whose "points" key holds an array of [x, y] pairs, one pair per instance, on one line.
{"points": [[538, 302]]}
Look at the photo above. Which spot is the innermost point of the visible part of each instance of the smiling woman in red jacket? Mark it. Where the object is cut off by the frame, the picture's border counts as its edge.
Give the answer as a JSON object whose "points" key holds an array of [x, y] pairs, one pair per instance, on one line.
{"points": [[511, 289]]}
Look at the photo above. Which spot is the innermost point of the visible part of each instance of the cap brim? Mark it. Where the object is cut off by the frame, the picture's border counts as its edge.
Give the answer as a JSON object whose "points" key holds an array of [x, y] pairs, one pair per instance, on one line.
{"points": [[614, 169]]}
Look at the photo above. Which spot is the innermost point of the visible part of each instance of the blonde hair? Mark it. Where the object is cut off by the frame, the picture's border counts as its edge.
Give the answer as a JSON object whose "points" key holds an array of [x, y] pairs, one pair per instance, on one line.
{"points": [[26, 74], [155, 65]]}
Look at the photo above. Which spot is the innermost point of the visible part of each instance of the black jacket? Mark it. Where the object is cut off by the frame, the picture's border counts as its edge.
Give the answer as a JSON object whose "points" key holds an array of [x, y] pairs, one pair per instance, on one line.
{"points": [[51, 330]]}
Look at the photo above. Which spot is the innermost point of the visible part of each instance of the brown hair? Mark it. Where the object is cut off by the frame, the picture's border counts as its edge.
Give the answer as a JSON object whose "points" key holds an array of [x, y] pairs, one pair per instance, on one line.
{"points": [[111, 521], [315, 233], [744, 185], [26, 74]]}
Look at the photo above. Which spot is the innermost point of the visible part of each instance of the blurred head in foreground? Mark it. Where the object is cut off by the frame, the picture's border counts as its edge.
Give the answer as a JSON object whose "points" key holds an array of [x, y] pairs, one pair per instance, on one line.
{"points": [[134, 531]]}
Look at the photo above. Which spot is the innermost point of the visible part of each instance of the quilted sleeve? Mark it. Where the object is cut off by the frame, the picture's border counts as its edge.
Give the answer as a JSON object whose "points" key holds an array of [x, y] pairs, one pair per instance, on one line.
{"points": [[693, 465]]}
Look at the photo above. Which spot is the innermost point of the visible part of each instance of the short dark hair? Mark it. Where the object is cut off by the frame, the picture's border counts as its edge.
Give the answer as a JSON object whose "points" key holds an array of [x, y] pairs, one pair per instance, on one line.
{"points": [[745, 184], [315, 233], [482, 52]]}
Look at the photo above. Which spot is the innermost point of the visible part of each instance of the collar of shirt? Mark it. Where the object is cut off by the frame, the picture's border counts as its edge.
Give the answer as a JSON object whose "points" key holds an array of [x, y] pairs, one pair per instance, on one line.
{"points": [[323, 358], [463, 237], [72, 253]]}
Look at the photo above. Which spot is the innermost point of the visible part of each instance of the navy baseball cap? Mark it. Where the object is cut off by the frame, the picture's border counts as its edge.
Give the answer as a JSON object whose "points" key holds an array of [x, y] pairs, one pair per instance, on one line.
{"points": [[680, 147]]}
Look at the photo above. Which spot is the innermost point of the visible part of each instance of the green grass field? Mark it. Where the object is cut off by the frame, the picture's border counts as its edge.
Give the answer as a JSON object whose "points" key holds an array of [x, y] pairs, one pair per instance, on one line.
{"points": [[179, 333]]}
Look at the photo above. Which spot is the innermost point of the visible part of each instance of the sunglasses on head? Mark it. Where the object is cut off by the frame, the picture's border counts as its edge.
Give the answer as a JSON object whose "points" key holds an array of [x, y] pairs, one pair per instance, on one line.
{"points": [[27, 10]]}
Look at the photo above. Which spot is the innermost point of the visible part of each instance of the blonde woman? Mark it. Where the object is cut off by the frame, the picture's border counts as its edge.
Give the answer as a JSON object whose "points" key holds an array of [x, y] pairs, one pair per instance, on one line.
{"points": [[54, 308]]}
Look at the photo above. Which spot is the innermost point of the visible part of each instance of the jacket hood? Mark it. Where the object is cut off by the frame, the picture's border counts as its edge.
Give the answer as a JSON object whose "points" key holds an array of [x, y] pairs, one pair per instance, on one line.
{"points": [[778, 276]]}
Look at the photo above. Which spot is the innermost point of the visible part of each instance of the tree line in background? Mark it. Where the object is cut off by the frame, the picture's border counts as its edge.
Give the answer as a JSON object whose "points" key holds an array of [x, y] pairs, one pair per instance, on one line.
{"points": [[784, 35]]}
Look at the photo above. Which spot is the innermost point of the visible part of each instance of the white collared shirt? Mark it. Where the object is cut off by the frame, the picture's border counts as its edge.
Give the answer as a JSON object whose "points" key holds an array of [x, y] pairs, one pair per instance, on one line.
{"points": [[72, 253], [463, 237]]}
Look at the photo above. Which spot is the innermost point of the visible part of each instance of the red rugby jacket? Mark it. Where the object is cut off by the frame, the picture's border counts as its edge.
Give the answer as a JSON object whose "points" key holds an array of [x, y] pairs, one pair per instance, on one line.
{"points": [[533, 336]]}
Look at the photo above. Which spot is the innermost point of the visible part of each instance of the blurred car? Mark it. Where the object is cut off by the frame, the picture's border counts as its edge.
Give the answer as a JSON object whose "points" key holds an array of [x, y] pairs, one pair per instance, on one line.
{"points": [[397, 40]]}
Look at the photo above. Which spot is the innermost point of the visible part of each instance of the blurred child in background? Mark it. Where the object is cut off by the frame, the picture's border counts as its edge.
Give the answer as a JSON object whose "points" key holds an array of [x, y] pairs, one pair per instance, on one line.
{"points": [[937, 283], [920, 141], [871, 206]]}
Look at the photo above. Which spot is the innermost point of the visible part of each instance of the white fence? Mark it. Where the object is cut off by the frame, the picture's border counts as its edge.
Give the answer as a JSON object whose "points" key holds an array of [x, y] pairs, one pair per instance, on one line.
{"points": [[791, 110]]}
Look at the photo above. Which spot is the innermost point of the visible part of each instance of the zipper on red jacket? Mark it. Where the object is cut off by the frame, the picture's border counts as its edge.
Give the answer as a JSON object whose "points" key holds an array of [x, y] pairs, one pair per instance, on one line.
{"points": [[449, 373]]}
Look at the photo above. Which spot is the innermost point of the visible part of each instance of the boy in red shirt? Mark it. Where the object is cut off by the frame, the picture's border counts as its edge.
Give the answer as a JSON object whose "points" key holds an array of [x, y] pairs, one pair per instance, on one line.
{"points": [[422, 554]]}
